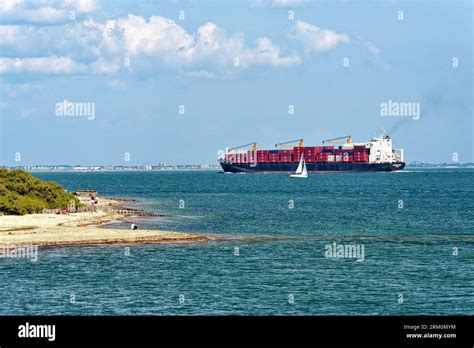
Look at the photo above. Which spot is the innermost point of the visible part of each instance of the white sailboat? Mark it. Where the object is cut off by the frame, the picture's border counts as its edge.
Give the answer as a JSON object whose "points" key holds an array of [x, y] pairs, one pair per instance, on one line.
{"points": [[301, 171]]}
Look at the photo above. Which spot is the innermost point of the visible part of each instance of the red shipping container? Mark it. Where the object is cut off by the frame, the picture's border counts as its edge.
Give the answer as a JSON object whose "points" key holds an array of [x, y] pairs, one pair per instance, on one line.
{"points": [[262, 152], [314, 148], [360, 148], [310, 159], [297, 153], [273, 157], [323, 157], [286, 152], [310, 153], [285, 158], [361, 156], [296, 158]]}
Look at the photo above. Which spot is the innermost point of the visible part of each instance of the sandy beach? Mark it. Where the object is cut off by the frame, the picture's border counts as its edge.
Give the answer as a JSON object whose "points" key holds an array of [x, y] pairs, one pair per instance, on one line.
{"points": [[74, 229]]}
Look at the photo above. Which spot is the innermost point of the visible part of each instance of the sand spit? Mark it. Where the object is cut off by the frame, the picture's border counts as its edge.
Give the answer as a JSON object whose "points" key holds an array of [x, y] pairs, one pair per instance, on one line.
{"points": [[76, 229]]}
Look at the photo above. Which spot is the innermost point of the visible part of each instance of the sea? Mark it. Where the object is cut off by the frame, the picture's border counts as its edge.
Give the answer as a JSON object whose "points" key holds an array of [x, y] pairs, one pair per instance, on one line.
{"points": [[399, 243]]}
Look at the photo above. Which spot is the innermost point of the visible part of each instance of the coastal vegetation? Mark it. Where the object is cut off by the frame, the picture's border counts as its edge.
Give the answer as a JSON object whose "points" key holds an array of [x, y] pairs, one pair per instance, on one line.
{"points": [[21, 193]]}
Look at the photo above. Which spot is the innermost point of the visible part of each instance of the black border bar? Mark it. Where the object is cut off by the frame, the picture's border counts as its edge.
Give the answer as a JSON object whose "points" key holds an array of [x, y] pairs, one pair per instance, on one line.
{"points": [[334, 330]]}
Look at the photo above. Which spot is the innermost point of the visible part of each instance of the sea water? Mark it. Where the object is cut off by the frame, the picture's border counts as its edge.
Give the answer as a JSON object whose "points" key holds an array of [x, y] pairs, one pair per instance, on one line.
{"points": [[415, 227]]}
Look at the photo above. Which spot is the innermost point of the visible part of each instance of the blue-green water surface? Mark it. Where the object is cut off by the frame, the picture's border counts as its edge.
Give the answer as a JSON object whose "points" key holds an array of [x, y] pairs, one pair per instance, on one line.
{"points": [[416, 227]]}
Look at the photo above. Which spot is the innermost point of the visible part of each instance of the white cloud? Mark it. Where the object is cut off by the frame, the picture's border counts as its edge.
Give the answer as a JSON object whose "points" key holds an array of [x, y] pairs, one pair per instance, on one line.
{"points": [[9, 5], [101, 47], [44, 11], [85, 6], [51, 65], [267, 52], [165, 40], [149, 44], [315, 39], [104, 66], [372, 48]]}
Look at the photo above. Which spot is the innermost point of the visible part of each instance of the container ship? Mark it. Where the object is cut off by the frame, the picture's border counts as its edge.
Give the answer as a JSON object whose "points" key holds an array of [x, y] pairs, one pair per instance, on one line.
{"points": [[375, 155]]}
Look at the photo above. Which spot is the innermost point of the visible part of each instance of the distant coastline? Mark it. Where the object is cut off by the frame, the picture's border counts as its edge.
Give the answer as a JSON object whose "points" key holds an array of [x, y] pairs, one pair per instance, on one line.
{"points": [[121, 168], [417, 164], [186, 167]]}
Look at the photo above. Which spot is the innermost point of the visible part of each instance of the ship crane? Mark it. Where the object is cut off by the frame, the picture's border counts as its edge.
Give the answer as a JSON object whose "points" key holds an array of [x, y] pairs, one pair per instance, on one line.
{"points": [[334, 141], [288, 143], [254, 147]]}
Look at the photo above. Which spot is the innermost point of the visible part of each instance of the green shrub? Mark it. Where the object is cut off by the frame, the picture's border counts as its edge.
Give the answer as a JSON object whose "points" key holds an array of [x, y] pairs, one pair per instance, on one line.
{"points": [[21, 193]]}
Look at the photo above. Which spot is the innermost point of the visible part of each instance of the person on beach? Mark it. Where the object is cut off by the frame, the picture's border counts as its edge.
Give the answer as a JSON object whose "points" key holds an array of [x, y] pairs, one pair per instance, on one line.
{"points": [[133, 226], [64, 211]]}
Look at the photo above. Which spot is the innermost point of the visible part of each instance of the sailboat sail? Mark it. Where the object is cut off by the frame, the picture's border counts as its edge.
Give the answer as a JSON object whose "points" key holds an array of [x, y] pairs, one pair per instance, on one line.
{"points": [[299, 170], [304, 171]]}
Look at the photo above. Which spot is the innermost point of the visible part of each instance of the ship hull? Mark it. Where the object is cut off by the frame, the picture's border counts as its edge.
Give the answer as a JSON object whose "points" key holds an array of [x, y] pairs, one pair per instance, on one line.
{"points": [[280, 167]]}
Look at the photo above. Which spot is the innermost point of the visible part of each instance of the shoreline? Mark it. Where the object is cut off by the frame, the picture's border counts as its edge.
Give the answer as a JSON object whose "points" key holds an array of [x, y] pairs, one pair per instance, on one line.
{"points": [[86, 229]]}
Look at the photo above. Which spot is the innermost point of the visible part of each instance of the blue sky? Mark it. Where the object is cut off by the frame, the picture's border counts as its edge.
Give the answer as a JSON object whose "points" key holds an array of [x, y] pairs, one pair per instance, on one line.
{"points": [[51, 51]]}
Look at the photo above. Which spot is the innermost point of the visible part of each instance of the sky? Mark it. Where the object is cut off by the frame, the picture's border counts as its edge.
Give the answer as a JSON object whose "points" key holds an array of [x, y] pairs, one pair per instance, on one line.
{"points": [[177, 81]]}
